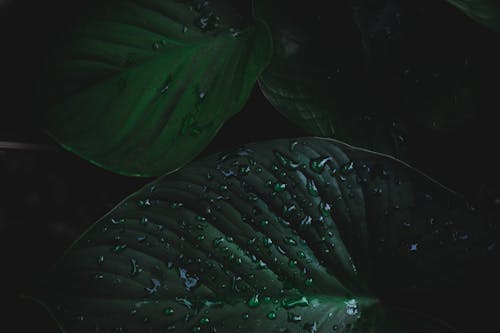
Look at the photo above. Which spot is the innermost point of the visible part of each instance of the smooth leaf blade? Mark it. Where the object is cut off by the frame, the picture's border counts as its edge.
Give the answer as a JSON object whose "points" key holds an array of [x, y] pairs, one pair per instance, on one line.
{"points": [[306, 235], [143, 86]]}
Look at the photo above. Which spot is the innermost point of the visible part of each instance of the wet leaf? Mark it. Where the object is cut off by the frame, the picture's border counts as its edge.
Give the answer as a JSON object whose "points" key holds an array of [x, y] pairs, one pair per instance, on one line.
{"points": [[141, 87], [211, 248]]}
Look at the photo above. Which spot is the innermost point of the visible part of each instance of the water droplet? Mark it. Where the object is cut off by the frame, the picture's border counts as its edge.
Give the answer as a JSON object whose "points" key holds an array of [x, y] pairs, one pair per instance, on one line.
{"points": [[325, 209], [293, 145], [279, 187], [185, 29], [348, 168], [291, 303], [189, 281], [286, 162], [100, 260], [208, 21], [118, 248], [351, 307], [306, 221], [253, 301], [244, 170], [184, 301], [261, 264], [293, 318], [217, 242], [204, 320], [288, 209], [289, 241], [318, 164], [144, 203], [168, 311], [135, 269], [175, 205], [117, 221], [311, 188], [156, 284], [166, 85], [271, 315], [245, 316], [267, 241], [252, 197], [308, 282]]}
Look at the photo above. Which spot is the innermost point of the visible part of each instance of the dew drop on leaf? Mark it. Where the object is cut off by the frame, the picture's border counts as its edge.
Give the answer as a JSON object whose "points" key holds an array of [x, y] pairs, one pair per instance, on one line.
{"points": [[168, 311], [253, 301], [318, 164]]}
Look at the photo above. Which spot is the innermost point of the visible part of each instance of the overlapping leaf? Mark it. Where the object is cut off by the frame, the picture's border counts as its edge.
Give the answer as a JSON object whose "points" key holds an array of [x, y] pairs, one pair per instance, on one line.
{"points": [[142, 86], [369, 72], [307, 235], [486, 12]]}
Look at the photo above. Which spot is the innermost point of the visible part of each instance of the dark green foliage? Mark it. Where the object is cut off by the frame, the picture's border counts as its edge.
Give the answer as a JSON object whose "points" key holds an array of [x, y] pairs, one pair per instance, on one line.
{"points": [[306, 235], [369, 72], [486, 12], [141, 87]]}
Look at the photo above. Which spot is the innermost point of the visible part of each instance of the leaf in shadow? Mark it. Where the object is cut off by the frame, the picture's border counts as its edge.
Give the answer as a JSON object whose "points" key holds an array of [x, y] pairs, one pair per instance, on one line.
{"points": [[376, 73], [486, 12]]}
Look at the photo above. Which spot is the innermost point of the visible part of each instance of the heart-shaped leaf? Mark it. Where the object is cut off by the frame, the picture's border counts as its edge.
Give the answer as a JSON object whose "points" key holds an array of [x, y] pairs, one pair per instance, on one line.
{"points": [[142, 86], [308, 235], [370, 71], [486, 12]]}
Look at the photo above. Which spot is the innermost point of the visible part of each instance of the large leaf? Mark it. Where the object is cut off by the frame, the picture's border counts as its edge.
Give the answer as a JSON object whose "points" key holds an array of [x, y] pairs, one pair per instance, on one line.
{"points": [[308, 235], [486, 12], [369, 71], [141, 86]]}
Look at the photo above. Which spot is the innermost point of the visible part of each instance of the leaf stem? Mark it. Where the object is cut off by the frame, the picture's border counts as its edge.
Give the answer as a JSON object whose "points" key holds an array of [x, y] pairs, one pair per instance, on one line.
{"points": [[8, 145]]}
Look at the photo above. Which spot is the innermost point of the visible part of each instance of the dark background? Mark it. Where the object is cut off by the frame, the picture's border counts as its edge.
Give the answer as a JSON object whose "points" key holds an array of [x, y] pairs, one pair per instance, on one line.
{"points": [[49, 197]]}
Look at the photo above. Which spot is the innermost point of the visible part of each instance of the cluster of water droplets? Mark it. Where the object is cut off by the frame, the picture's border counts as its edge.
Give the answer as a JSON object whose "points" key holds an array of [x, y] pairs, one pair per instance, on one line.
{"points": [[207, 19], [265, 260]]}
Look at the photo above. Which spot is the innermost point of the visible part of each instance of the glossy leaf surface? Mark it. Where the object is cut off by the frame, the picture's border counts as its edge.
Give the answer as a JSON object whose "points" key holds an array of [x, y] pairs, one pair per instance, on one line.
{"points": [[307, 235], [141, 87]]}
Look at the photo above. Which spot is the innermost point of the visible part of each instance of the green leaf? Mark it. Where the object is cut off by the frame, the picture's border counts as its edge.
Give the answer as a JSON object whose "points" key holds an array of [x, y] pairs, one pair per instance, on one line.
{"points": [[307, 235], [373, 73], [486, 12], [142, 86]]}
